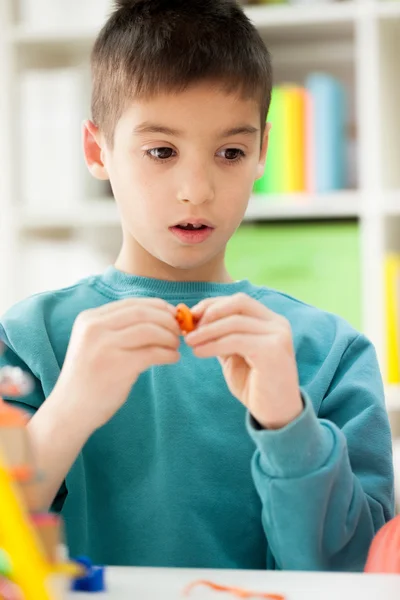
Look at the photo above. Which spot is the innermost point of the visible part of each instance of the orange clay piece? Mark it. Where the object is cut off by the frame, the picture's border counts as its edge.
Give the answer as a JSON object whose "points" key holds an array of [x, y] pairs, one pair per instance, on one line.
{"points": [[185, 318], [238, 592], [11, 416], [22, 474]]}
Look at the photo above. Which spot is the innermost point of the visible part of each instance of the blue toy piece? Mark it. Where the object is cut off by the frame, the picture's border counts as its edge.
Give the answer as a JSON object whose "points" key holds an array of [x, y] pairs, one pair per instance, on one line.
{"points": [[92, 581]]}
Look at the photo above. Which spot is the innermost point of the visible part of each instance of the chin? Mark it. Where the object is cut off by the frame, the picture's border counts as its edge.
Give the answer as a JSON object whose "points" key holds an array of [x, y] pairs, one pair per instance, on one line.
{"points": [[187, 263]]}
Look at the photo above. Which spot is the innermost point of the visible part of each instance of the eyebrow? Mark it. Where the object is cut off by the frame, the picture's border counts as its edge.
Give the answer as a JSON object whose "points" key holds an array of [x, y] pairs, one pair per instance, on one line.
{"points": [[241, 130], [157, 128]]}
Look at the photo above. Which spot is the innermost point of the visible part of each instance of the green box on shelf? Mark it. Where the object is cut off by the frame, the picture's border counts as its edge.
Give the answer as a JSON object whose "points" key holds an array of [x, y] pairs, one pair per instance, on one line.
{"points": [[318, 263]]}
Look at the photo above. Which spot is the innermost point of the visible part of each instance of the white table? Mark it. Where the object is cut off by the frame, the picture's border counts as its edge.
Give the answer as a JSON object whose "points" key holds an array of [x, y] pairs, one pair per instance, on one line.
{"points": [[125, 583]]}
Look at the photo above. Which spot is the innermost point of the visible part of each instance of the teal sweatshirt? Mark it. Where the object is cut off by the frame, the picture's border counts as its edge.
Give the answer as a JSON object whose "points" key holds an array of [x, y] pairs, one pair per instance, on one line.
{"points": [[181, 476]]}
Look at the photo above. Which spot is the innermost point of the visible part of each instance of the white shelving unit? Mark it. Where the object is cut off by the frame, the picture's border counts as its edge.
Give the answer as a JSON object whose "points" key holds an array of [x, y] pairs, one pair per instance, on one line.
{"points": [[101, 212], [358, 40]]}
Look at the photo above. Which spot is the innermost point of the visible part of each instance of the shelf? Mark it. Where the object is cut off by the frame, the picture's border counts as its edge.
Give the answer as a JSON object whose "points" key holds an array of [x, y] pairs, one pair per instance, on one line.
{"points": [[386, 9], [302, 15], [392, 397], [90, 214], [103, 212], [338, 205], [392, 203], [24, 36], [306, 20]]}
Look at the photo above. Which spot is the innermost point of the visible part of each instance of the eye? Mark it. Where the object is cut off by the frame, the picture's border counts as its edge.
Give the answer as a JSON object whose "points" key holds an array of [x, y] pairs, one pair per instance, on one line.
{"points": [[163, 153], [232, 154]]}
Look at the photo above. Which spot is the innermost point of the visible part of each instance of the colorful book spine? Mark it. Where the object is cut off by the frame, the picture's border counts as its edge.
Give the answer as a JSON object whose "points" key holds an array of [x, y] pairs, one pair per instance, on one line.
{"points": [[272, 181], [307, 144], [329, 116], [310, 144], [293, 169], [392, 307]]}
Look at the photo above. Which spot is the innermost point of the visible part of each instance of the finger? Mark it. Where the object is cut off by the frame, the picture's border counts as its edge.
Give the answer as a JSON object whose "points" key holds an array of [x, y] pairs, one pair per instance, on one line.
{"points": [[117, 305], [153, 356], [199, 308], [225, 326], [142, 335], [236, 304], [142, 313], [245, 345]]}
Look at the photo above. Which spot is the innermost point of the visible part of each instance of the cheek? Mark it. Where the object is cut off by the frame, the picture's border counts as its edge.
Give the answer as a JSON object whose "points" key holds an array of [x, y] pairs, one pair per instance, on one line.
{"points": [[238, 183], [132, 177], [242, 174], [140, 194], [235, 194]]}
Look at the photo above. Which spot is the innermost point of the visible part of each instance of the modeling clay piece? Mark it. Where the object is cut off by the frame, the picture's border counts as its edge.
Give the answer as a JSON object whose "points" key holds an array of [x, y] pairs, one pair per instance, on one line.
{"points": [[384, 554], [24, 567], [186, 320], [14, 382], [92, 580], [238, 592]]}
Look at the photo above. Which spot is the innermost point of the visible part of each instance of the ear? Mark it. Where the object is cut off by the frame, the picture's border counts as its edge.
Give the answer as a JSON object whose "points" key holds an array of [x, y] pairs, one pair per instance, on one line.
{"points": [[93, 151], [263, 151]]}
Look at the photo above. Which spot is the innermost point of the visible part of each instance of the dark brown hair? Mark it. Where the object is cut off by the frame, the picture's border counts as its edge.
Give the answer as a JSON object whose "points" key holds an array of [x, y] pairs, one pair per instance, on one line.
{"points": [[151, 46]]}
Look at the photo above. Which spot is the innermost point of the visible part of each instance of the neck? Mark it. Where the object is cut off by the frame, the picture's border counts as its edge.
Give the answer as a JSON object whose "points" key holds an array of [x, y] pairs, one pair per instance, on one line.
{"points": [[135, 260]]}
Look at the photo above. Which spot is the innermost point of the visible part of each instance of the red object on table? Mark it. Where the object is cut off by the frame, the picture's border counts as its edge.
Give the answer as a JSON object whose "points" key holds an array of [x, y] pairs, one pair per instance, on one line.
{"points": [[238, 592], [384, 554]]}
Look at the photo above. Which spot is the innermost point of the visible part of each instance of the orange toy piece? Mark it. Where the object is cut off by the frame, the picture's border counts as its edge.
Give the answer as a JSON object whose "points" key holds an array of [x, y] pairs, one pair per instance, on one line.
{"points": [[238, 592], [11, 416], [186, 320], [384, 554]]}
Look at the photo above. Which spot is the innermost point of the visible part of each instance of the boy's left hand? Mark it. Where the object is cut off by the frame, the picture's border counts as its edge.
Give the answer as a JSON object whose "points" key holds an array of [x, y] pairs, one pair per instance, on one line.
{"points": [[255, 348]]}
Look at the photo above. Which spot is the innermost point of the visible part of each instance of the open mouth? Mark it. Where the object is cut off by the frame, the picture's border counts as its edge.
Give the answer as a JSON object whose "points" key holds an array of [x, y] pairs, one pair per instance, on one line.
{"points": [[192, 233], [191, 226]]}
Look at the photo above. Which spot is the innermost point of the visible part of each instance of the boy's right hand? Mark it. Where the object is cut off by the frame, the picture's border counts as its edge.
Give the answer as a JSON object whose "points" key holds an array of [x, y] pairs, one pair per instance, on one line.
{"points": [[109, 347]]}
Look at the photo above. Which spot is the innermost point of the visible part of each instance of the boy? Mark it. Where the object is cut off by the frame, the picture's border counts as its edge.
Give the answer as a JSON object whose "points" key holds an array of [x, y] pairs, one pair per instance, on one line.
{"points": [[261, 440]]}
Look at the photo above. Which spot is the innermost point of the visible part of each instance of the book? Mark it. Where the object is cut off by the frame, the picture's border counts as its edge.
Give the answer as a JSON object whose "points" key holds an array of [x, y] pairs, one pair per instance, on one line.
{"points": [[307, 145], [392, 308], [329, 132], [272, 181], [293, 168]]}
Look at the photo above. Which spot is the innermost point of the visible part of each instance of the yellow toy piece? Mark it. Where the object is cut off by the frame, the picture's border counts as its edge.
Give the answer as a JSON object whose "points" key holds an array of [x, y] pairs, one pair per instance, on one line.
{"points": [[17, 537], [32, 561]]}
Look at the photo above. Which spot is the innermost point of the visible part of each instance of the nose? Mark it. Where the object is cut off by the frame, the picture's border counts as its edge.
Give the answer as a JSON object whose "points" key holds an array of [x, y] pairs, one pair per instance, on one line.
{"points": [[196, 184]]}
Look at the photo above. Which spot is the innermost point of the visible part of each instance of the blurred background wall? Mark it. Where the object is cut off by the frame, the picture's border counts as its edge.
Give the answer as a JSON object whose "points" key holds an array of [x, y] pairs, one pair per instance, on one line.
{"points": [[324, 222]]}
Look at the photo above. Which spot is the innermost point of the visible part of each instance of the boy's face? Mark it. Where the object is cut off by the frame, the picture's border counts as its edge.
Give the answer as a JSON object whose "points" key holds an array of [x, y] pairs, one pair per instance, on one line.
{"points": [[182, 170]]}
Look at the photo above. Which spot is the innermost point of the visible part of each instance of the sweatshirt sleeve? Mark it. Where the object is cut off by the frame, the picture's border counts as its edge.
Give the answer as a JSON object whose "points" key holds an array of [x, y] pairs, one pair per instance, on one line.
{"points": [[30, 403], [9, 357], [326, 481]]}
